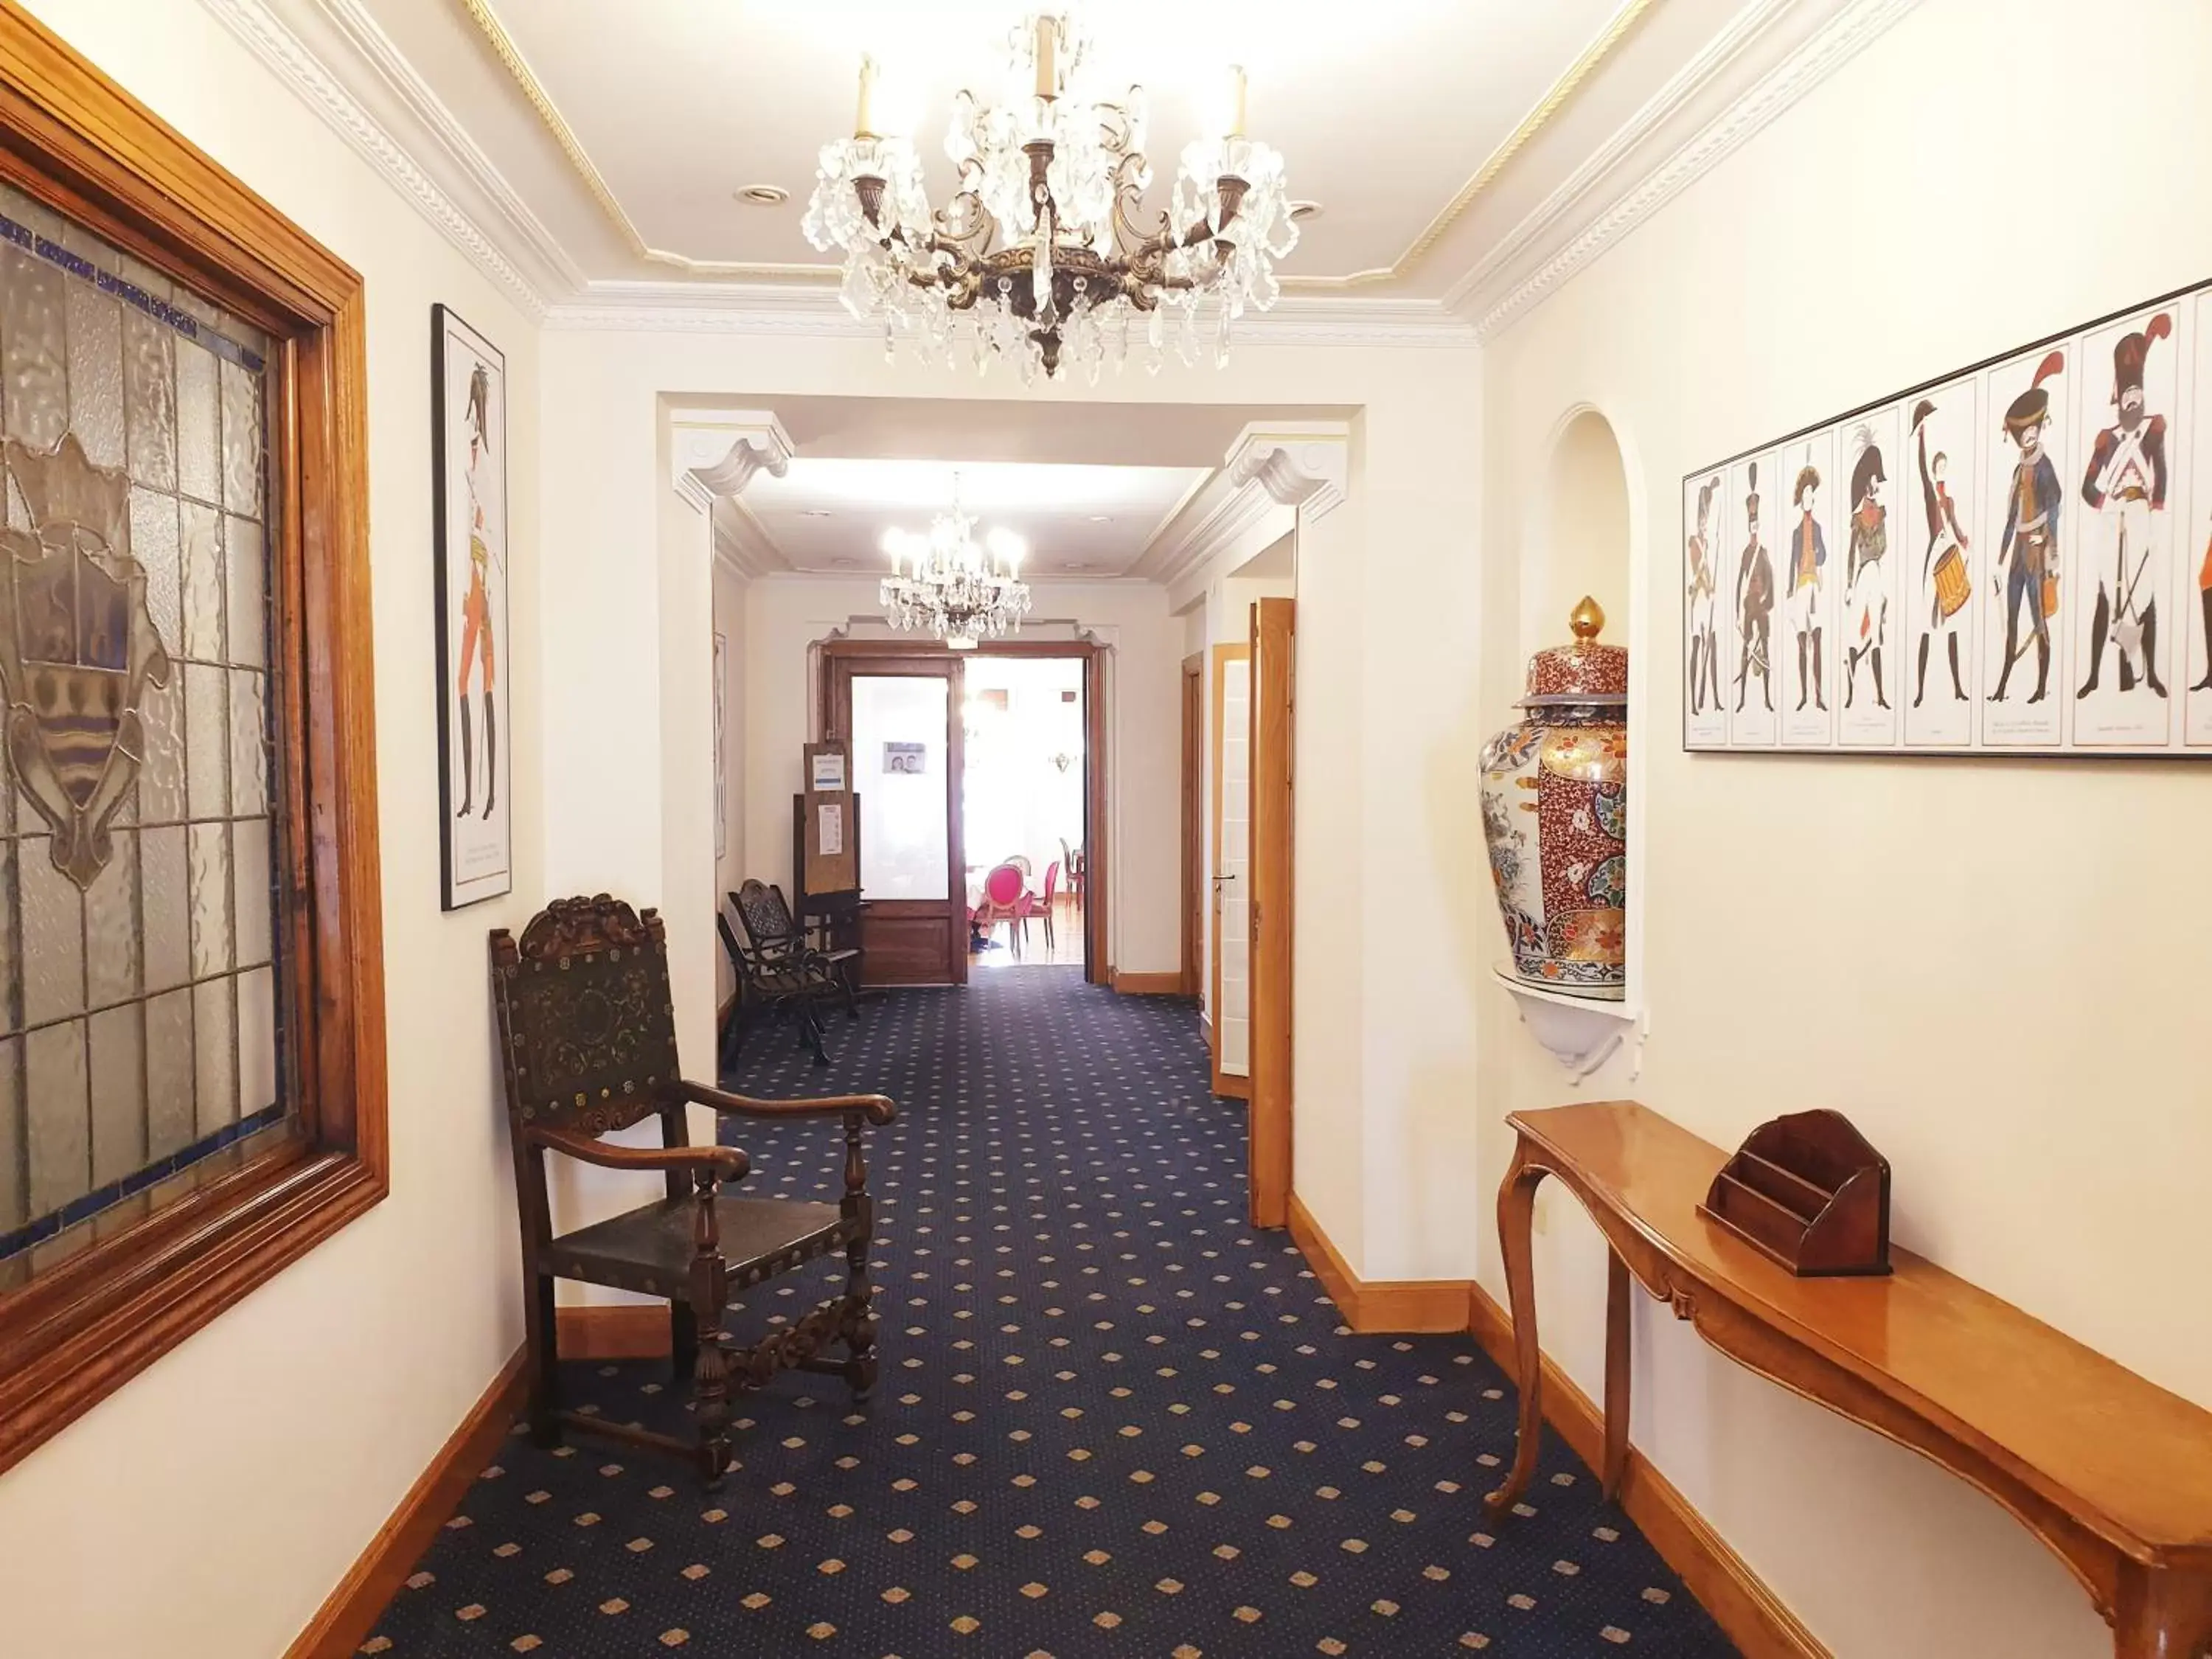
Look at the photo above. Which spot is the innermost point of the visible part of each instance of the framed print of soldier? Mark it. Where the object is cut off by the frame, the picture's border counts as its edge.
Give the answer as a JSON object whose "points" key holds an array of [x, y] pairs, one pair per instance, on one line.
{"points": [[191, 998], [2013, 558]]}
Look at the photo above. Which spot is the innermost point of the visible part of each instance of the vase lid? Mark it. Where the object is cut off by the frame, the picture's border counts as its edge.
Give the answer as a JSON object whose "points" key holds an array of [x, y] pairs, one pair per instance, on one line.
{"points": [[1582, 673]]}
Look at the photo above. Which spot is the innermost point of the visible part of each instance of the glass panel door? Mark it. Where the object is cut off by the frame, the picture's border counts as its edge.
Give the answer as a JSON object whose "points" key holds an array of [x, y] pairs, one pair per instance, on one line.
{"points": [[901, 766]]}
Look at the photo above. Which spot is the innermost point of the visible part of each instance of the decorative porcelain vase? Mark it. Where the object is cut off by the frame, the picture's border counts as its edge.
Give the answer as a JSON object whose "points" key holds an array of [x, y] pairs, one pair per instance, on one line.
{"points": [[1555, 813]]}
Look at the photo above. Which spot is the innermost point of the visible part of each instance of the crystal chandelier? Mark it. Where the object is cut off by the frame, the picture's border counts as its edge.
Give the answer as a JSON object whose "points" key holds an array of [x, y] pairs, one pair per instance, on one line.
{"points": [[944, 582], [1040, 255]]}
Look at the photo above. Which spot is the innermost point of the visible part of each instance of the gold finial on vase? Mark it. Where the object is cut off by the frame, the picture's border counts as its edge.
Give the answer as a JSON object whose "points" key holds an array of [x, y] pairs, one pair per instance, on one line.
{"points": [[1587, 619]]}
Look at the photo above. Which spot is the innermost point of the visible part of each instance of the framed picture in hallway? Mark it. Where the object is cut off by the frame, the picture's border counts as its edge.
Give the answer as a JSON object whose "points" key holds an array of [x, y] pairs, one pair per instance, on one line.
{"points": [[468, 446], [2013, 558]]}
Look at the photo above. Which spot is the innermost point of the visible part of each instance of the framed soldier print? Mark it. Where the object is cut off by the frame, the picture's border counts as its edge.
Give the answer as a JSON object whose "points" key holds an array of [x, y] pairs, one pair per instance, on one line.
{"points": [[468, 443], [2013, 558]]}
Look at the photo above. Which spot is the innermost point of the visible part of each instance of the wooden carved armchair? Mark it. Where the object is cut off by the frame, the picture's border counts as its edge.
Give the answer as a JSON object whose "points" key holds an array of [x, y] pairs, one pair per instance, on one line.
{"points": [[587, 1043]]}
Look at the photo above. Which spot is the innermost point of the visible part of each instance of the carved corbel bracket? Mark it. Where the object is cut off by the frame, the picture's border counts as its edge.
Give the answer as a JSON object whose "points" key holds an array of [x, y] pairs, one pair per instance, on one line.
{"points": [[1304, 464], [715, 452]]}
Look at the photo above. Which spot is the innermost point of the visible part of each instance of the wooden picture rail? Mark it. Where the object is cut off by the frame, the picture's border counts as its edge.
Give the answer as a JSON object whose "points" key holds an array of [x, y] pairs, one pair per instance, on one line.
{"points": [[2111, 1472]]}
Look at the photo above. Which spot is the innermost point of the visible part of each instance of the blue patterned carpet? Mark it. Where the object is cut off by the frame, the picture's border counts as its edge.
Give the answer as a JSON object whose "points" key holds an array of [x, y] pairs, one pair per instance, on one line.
{"points": [[1114, 1420]]}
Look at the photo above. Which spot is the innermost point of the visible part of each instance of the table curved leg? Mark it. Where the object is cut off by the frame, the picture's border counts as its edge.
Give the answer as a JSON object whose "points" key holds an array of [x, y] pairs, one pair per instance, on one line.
{"points": [[1516, 1217]]}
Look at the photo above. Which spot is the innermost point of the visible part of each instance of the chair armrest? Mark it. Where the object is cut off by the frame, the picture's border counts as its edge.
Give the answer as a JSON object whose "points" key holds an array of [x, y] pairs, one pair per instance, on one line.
{"points": [[877, 1109], [726, 1163]]}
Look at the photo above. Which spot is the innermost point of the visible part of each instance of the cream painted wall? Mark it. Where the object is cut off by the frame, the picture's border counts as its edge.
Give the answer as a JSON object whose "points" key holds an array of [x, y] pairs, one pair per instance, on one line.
{"points": [[205, 1510], [1390, 1184], [788, 614], [1961, 955]]}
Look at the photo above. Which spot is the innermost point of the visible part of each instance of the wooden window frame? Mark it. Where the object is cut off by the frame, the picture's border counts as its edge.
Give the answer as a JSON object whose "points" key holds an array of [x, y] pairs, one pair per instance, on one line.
{"points": [[75, 1333]]}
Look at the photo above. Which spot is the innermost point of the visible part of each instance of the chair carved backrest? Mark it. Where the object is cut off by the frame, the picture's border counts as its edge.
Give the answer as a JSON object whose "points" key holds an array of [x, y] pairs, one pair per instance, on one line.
{"points": [[1051, 880], [766, 916], [587, 1023], [1002, 886]]}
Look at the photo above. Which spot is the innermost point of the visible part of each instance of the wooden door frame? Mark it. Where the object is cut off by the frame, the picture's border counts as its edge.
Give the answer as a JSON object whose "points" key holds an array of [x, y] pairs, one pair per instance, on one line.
{"points": [[1193, 828], [833, 720], [1224, 1083], [1274, 703]]}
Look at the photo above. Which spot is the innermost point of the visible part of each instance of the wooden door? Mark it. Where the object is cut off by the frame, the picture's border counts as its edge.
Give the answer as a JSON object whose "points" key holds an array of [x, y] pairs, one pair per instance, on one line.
{"points": [[1231, 1001], [1194, 792], [902, 715], [1273, 715]]}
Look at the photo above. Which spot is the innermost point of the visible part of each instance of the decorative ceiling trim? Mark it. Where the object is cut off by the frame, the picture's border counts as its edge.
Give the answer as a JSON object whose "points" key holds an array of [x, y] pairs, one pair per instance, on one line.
{"points": [[1274, 474], [1616, 30], [1696, 78], [770, 309], [366, 37], [278, 47], [1827, 50], [716, 452], [533, 92], [1555, 98], [741, 541]]}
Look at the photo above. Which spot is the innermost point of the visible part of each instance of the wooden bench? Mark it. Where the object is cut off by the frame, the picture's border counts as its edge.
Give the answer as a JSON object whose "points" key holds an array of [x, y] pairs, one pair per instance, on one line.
{"points": [[2111, 1471]]}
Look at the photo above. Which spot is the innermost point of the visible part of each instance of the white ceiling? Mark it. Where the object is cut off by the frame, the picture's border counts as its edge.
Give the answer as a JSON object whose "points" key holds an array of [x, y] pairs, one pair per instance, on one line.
{"points": [[1090, 522], [1382, 119]]}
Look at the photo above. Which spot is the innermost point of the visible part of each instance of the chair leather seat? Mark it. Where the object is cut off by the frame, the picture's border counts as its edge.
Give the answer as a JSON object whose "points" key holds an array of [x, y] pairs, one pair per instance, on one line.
{"points": [[649, 1250]]}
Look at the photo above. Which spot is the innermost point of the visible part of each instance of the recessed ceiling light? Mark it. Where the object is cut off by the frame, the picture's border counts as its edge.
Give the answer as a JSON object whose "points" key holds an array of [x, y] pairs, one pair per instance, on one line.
{"points": [[1302, 210], [814, 513], [844, 565], [764, 195], [1101, 518], [1078, 564]]}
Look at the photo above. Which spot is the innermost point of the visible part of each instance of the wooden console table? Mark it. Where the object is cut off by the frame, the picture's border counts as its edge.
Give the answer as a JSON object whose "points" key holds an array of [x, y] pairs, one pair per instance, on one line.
{"points": [[2111, 1472]]}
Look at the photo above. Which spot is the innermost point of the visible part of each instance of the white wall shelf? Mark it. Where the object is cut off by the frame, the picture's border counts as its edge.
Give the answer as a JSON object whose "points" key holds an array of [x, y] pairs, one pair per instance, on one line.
{"points": [[1581, 1033]]}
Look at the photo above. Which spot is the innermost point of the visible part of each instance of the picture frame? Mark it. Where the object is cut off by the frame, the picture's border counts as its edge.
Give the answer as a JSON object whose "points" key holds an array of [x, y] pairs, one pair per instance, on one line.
{"points": [[470, 542], [2010, 558]]}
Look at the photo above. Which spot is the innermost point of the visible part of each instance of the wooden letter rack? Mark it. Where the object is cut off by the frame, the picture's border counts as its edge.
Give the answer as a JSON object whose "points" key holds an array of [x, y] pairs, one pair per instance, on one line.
{"points": [[1808, 1191]]}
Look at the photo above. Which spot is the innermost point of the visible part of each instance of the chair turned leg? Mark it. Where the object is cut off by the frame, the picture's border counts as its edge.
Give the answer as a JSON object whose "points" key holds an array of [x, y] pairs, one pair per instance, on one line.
{"points": [[683, 1341], [544, 1361], [710, 1393], [860, 1329]]}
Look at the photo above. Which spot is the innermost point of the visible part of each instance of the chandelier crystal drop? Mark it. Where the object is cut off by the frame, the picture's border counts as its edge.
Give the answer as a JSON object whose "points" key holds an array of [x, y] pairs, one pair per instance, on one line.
{"points": [[945, 582], [1041, 256]]}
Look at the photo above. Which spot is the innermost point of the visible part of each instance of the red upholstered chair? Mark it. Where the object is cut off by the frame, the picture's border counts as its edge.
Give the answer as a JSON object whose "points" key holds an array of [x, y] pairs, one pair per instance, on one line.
{"points": [[1051, 888], [1004, 893]]}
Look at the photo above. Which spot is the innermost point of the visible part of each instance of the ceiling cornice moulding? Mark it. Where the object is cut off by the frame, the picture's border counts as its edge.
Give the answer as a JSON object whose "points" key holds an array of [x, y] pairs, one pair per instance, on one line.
{"points": [[1555, 242], [437, 172], [771, 309]]}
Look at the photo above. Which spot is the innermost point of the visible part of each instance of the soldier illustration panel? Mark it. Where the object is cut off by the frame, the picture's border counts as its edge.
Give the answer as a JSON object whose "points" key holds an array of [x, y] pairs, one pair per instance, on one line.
{"points": [[2121, 605], [1871, 614], [1752, 594], [1809, 581], [2195, 623], [1708, 618], [1940, 557], [2028, 514]]}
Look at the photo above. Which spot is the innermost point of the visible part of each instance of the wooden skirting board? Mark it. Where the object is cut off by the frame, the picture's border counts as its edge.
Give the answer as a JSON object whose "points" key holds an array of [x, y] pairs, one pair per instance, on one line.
{"points": [[1755, 1619], [1410, 1305], [627, 1330], [1148, 985], [351, 1611]]}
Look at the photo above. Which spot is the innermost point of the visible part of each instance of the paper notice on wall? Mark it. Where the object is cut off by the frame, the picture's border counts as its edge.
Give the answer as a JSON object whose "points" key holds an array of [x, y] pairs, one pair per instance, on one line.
{"points": [[829, 775], [830, 828]]}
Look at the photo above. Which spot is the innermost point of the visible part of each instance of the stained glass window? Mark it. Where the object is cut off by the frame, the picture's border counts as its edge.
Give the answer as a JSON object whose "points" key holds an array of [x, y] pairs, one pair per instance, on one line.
{"points": [[140, 986]]}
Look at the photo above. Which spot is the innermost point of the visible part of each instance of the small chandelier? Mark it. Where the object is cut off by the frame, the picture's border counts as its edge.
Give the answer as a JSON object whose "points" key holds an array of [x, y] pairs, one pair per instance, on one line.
{"points": [[944, 582], [1040, 255]]}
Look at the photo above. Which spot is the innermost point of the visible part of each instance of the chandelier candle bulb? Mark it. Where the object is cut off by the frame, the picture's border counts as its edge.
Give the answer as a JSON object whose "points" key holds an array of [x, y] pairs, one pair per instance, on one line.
{"points": [[1047, 28], [1236, 100], [864, 120]]}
